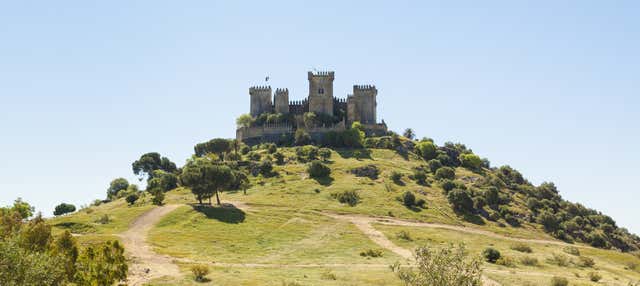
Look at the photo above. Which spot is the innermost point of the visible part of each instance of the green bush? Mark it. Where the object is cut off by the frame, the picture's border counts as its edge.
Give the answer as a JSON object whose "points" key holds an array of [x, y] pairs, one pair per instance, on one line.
{"points": [[446, 173], [470, 161], [506, 261], [404, 235], [559, 259], [200, 272], [396, 177], [521, 247], [434, 165], [559, 281], [64, 208], [529, 261], [426, 149], [317, 169], [420, 176], [491, 255], [349, 197], [408, 199], [448, 185], [460, 200], [324, 153], [279, 158], [371, 253], [131, 199]]}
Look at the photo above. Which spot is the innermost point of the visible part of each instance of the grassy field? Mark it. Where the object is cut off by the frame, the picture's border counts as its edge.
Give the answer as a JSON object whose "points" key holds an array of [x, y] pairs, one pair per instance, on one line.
{"points": [[281, 237]]}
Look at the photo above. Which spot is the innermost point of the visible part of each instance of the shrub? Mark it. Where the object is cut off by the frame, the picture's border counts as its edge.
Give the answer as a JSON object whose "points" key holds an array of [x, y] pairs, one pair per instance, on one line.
{"points": [[265, 168], [131, 199], [434, 165], [254, 156], [200, 272], [370, 171], [396, 177], [443, 267], [420, 176], [571, 250], [421, 203], [404, 235], [446, 173], [324, 153], [371, 253], [470, 161], [327, 275], [460, 200], [586, 262], [559, 281], [559, 259], [529, 261], [279, 158], [271, 148], [491, 255], [594, 276], [506, 261], [521, 247], [448, 185], [317, 169], [548, 221], [408, 199], [349, 197], [158, 197], [426, 149]]}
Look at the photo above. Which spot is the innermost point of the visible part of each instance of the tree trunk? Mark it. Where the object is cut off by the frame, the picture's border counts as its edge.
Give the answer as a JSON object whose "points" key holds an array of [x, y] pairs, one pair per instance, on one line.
{"points": [[217, 198]]}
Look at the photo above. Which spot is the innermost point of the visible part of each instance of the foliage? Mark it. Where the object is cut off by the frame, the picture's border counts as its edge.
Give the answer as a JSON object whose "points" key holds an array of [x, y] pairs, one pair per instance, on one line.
{"points": [[309, 119], [116, 186], [370, 171], [162, 182], [446, 173], [426, 149], [447, 266], [350, 138], [521, 247], [131, 199], [64, 208], [584, 261], [279, 158], [302, 137], [571, 250], [491, 255], [244, 120], [307, 153], [205, 178], [324, 153], [150, 162], [460, 200], [396, 177], [349, 197], [470, 161], [408, 199], [371, 253], [158, 197], [420, 176], [218, 146], [529, 261], [559, 260], [317, 169], [559, 281], [404, 235], [200, 272], [104, 264], [506, 261], [409, 134]]}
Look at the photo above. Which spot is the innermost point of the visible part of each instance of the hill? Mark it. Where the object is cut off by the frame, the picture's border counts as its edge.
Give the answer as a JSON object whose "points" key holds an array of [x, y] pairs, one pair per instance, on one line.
{"points": [[374, 208]]}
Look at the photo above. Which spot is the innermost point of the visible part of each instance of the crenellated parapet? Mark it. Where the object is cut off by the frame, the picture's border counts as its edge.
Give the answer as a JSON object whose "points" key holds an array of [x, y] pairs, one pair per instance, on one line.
{"points": [[260, 100], [281, 101]]}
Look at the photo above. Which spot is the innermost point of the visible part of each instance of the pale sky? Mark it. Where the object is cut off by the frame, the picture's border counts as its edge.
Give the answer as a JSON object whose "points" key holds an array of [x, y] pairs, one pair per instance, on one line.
{"points": [[551, 88]]}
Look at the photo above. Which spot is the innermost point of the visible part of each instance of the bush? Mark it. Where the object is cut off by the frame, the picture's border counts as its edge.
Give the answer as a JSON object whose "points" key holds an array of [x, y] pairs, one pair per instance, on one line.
{"points": [[327, 275], [420, 176], [506, 261], [559, 281], [324, 153], [318, 170], [448, 185], [586, 262], [443, 267], [446, 173], [594, 276], [426, 149], [559, 259], [271, 148], [265, 168], [491, 255], [200, 272], [404, 235], [158, 198], [371, 253], [279, 158], [470, 161], [370, 171], [460, 200], [350, 197], [434, 165], [64, 208], [521, 247], [571, 250], [131, 199], [396, 177], [408, 199], [529, 261]]}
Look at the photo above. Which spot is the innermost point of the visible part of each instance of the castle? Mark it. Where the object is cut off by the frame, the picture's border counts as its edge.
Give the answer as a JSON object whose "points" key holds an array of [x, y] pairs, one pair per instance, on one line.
{"points": [[280, 118]]}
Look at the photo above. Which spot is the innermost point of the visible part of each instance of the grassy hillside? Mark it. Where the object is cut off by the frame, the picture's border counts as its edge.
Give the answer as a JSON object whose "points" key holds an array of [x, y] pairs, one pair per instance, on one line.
{"points": [[282, 231]]}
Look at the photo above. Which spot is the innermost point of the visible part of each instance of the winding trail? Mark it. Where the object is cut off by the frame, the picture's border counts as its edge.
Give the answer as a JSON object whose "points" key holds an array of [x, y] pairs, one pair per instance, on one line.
{"points": [[147, 264]]}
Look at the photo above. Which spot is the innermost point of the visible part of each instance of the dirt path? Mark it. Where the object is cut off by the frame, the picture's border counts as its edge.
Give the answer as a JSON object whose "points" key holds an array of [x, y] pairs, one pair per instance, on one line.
{"points": [[146, 264]]}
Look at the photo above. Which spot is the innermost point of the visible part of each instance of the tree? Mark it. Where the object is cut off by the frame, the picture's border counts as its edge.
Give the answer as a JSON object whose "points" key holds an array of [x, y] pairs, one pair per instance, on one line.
{"points": [[470, 161], [205, 178], [492, 196], [131, 199], [434, 165], [116, 186], [150, 162], [64, 208], [318, 170], [104, 264], [409, 134], [162, 182], [23, 208], [244, 120], [427, 150], [217, 146], [548, 221], [460, 200], [448, 266]]}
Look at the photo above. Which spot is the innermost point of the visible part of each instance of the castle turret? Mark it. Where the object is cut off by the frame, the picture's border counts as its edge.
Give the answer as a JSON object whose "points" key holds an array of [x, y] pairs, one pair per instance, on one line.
{"points": [[282, 101], [321, 92], [361, 106], [260, 100]]}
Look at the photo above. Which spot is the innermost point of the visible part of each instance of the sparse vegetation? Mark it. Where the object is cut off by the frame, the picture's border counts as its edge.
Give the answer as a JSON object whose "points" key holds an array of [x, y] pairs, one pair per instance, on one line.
{"points": [[349, 197], [521, 247], [317, 169], [200, 272], [529, 261], [491, 255], [371, 253], [559, 281]]}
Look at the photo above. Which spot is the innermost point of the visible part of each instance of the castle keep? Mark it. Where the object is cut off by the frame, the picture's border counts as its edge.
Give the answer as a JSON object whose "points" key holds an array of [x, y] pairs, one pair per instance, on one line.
{"points": [[336, 114]]}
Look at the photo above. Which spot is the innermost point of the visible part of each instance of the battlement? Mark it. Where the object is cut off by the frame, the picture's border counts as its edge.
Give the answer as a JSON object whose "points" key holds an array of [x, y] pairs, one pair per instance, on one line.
{"points": [[256, 89], [321, 74], [364, 87], [282, 91]]}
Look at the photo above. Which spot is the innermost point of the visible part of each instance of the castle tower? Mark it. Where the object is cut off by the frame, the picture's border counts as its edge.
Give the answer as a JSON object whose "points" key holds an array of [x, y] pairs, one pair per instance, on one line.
{"points": [[260, 100], [321, 92], [361, 106], [282, 101]]}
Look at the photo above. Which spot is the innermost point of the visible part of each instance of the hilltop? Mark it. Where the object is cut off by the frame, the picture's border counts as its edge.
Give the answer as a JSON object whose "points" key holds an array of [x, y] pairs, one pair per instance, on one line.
{"points": [[291, 223]]}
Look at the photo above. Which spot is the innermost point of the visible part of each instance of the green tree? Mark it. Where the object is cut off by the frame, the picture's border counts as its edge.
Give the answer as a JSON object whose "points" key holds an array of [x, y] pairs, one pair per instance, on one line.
{"points": [[131, 199], [205, 178], [162, 182], [447, 266], [409, 134], [23, 208], [460, 200], [218, 146], [64, 208], [116, 186], [470, 161], [150, 162], [446, 173], [104, 264], [244, 120], [324, 153], [427, 150]]}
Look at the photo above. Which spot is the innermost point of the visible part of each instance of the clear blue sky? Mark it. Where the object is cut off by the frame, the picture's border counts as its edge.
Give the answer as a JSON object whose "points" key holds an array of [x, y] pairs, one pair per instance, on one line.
{"points": [[551, 88]]}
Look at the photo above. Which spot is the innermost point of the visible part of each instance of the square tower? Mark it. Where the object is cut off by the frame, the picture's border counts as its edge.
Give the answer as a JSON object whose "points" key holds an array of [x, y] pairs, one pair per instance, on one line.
{"points": [[321, 92]]}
